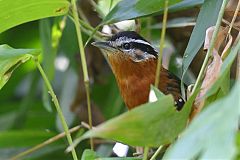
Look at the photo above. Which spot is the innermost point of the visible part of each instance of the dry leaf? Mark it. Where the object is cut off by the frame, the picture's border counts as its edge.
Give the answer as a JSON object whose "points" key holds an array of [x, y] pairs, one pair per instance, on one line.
{"points": [[220, 37], [211, 76], [226, 48], [214, 66], [231, 7]]}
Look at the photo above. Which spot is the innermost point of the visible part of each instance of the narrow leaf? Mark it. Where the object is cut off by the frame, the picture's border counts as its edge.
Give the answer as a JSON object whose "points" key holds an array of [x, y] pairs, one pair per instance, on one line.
{"points": [[206, 18]]}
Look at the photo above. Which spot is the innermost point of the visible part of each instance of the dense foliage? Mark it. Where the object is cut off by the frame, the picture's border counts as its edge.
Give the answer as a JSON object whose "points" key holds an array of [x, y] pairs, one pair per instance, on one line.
{"points": [[51, 76]]}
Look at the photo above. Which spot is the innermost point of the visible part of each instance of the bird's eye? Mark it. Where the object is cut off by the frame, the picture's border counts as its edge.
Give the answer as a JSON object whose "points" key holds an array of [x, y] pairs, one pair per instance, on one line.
{"points": [[126, 46]]}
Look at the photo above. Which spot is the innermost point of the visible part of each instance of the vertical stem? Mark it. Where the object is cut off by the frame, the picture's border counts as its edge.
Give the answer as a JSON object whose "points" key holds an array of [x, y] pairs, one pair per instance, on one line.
{"points": [[145, 155], [210, 50], [58, 108], [84, 63], [157, 78]]}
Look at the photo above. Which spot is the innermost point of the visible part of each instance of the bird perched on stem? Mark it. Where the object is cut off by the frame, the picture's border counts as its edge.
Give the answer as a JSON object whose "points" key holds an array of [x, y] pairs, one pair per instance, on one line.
{"points": [[134, 61]]}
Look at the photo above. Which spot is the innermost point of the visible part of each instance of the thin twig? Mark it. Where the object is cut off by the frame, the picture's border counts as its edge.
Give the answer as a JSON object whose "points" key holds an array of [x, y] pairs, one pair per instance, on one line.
{"points": [[157, 78], [45, 143], [58, 108], [228, 23], [234, 17], [210, 50], [85, 125], [156, 153], [84, 64]]}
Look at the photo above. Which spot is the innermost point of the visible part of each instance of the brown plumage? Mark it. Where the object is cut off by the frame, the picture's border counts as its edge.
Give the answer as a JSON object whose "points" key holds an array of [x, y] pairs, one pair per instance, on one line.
{"points": [[134, 80], [134, 61]]}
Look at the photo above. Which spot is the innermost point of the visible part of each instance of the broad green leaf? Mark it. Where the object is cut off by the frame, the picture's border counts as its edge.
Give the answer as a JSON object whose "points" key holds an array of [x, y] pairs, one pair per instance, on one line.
{"points": [[206, 18], [23, 138], [11, 58], [162, 122], [211, 135], [129, 9], [15, 12]]}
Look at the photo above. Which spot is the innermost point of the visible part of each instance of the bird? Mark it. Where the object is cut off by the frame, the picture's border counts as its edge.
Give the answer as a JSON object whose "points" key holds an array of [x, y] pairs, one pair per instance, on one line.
{"points": [[133, 61]]}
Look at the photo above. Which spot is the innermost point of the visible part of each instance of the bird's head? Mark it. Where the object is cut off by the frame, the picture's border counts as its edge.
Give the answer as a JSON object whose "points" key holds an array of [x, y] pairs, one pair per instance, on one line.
{"points": [[128, 45]]}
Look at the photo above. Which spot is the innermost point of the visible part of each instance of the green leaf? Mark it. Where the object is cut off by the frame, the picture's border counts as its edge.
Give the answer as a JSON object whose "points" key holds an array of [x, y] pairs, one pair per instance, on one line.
{"points": [[157, 92], [91, 155], [162, 121], [129, 9], [23, 138], [211, 135], [15, 12], [185, 4], [11, 58], [207, 17], [177, 23], [105, 6], [48, 58]]}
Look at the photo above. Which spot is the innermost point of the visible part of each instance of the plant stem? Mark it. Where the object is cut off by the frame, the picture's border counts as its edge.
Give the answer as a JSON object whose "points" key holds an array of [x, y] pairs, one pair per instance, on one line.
{"points": [[58, 108], [234, 17], [238, 58], [145, 154], [156, 153], [84, 64], [210, 50], [45, 143], [157, 78]]}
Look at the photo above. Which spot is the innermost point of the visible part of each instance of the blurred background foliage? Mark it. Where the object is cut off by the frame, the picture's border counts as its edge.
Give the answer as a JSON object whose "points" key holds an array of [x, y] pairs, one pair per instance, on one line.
{"points": [[27, 116]]}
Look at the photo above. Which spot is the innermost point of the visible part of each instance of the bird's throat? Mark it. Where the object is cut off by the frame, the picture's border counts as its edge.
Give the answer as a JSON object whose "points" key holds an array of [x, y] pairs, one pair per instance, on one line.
{"points": [[133, 78]]}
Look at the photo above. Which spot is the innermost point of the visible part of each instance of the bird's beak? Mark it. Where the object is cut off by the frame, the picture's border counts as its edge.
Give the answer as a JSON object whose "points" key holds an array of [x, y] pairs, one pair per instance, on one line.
{"points": [[104, 45]]}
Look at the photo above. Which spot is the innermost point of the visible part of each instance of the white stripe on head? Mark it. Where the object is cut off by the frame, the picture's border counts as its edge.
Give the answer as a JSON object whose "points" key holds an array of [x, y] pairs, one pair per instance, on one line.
{"points": [[121, 40], [118, 42]]}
